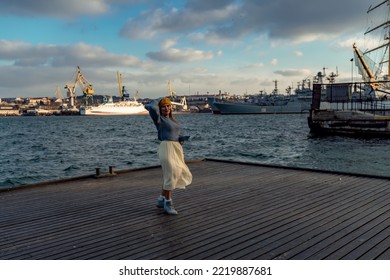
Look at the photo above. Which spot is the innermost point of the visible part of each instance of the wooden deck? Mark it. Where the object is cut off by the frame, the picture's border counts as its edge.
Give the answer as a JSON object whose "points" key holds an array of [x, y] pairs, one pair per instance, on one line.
{"points": [[231, 211]]}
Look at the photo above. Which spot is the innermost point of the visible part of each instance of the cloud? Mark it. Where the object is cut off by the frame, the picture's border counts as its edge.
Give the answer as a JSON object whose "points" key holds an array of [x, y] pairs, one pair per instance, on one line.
{"points": [[215, 22], [170, 54], [253, 66], [180, 55], [293, 72], [222, 21], [298, 53], [24, 54], [299, 20], [168, 43], [53, 8], [53, 65], [42, 67], [240, 28], [195, 14]]}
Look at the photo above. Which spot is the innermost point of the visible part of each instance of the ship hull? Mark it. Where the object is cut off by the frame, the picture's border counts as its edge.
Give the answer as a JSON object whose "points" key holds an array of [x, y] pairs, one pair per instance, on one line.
{"points": [[111, 109], [352, 123], [243, 108]]}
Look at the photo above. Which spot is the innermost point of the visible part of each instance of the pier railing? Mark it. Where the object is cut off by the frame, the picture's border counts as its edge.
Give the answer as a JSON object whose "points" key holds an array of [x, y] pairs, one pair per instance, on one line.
{"points": [[373, 98]]}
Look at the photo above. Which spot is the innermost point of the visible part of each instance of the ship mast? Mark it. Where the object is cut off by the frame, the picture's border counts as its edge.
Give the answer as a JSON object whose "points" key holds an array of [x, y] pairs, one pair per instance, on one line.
{"points": [[385, 24], [365, 66]]}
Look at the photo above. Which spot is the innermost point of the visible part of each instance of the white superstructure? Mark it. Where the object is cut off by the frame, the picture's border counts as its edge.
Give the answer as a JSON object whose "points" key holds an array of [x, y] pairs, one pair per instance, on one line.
{"points": [[128, 107]]}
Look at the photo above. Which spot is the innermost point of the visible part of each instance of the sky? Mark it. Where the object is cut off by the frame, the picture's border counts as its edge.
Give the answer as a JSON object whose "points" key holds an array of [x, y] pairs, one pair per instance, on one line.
{"points": [[200, 46]]}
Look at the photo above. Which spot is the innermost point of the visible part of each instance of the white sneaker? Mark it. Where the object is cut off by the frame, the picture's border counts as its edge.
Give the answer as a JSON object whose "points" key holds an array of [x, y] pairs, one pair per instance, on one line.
{"points": [[168, 207], [160, 201]]}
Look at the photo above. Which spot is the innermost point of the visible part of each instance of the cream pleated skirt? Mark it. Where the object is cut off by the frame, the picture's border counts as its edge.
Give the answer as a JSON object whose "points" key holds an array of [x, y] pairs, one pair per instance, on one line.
{"points": [[175, 171]]}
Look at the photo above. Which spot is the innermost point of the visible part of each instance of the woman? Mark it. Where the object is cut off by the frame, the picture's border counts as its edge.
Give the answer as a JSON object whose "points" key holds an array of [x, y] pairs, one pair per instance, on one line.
{"points": [[175, 172]]}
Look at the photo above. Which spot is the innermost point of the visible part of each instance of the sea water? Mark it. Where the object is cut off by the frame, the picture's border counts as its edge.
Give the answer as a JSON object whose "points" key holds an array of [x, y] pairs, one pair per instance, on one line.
{"points": [[39, 149]]}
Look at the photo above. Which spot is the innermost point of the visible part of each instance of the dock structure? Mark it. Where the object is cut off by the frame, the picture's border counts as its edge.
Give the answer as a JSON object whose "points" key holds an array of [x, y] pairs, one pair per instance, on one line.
{"points": [[232, 210]]}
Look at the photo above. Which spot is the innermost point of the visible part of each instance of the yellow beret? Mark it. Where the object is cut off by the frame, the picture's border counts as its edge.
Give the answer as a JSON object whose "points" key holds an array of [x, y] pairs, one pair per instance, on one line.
{"points": [[164, 101]]}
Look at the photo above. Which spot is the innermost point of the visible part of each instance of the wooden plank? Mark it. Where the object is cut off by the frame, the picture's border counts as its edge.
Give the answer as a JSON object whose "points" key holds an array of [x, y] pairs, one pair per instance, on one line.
{"points": [[274, 224], [377, 243], [231, 211]]}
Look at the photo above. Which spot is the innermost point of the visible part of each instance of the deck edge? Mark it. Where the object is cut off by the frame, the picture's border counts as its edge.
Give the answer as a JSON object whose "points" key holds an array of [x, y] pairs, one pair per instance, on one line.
{"points": [[300, 168], [192, 161]]}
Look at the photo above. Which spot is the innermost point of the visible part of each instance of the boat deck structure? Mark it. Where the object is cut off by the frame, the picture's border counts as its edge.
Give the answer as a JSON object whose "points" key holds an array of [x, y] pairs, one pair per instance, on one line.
{"points": [[232, 210]]}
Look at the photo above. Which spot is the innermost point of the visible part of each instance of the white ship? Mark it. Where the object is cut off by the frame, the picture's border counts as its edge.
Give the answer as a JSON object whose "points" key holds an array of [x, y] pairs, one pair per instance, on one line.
{"points": [[110, 108], [127, 107]]}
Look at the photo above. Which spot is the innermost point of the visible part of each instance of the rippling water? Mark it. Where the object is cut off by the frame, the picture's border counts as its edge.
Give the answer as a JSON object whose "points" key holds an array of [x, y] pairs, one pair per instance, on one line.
{"points": [[38, 149]]}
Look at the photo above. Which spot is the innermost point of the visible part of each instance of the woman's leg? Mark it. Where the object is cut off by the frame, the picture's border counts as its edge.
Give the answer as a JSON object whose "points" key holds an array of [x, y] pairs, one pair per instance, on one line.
{"points": [[167, 194], [168, 204]]}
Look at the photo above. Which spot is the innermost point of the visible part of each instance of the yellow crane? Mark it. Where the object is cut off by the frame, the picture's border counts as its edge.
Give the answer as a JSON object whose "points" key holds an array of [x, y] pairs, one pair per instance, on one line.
{"points": [[182, 104], [124, 95], [58, 93], [119, 76], [85, 86], [170, 90]]}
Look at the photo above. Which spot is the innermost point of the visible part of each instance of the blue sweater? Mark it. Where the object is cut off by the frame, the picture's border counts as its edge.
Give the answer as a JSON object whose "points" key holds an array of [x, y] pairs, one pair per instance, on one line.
{"points": [[167, 129]]}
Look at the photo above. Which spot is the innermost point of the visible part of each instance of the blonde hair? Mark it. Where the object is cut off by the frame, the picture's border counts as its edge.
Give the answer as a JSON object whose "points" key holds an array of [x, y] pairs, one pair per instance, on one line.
{"points": [[166, 101]]}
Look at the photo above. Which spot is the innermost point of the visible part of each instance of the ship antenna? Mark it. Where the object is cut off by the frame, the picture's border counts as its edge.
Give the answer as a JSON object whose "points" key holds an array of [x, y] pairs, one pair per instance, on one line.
{"points": [[276, 87]]}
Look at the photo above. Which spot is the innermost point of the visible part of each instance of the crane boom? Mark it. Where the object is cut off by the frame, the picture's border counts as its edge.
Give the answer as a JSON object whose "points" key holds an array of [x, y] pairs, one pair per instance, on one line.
{"points": [[170, 90], [119, 76], [84, 84]]}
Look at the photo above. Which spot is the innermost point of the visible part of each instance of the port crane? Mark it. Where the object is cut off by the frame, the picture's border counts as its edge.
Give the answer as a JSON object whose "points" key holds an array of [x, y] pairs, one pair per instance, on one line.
{"points": [[59, 94], [124, 95], [170, 90], [84, 84], [172, 95], [119, 77]]}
